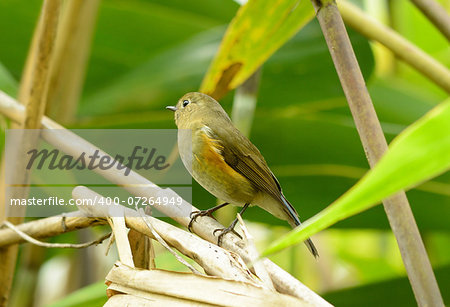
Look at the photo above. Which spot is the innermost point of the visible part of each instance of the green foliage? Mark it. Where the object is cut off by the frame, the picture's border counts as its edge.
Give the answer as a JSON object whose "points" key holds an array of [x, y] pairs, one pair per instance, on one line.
{"points": [[420, 152], [90, 296], [7, 82], [250, 40], [395, 292]]}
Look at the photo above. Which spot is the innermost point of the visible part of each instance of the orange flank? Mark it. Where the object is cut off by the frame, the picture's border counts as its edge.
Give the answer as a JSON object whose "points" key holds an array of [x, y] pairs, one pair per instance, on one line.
{"points": [[212, 157]]}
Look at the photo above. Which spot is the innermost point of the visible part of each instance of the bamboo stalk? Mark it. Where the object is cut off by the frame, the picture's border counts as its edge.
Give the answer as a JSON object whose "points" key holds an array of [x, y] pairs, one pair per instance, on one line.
{"points": [[436, 14], [141, 247], [38, 243], [214, 260], [27, 276], [194, 289], [258, 265], [119, 229], [33, 93], [72, 48], [397, 208], [48, 227], [402, 48], [74, 145], [244, 103]]}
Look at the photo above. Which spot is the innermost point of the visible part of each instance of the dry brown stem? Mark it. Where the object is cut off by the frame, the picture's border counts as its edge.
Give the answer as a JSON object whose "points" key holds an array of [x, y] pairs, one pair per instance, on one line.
{"points": [[48, 227], [213, 259], [72, 48], [182, 287], [397, 207], [33, 93], [401, 47], [32, 240], [436, 13]]}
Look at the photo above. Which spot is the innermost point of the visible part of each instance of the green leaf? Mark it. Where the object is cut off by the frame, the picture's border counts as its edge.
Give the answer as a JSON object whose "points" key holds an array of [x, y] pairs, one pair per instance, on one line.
{"points": [[417, 154], [158, 82], [127, 33], [259, 29], [7, 82], [92, 295]]}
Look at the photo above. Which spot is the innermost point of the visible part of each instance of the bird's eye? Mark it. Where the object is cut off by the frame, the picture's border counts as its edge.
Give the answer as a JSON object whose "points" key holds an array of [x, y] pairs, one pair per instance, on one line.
{"points": [[185, 103]]}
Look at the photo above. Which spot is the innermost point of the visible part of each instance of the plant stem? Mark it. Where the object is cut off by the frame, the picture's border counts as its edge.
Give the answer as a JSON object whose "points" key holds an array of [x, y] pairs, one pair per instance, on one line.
{"points": [[48, 227], [245, 102], [397, 208], [33, 93], [71, 54], [34, 86], [436, 14], [402, 48]]}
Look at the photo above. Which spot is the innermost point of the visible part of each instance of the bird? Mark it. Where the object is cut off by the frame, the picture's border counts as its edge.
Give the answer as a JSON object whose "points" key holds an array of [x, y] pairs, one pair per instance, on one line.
{"points": [[226, 163]]}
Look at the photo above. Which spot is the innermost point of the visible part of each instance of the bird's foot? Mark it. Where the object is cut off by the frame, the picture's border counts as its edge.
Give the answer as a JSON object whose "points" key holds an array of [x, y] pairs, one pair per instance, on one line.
{"points": [[224, 231], [195, 214]]}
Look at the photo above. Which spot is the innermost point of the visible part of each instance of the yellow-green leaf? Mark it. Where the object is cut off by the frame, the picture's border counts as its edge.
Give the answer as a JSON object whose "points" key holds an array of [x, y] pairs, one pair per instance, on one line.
{"points": [[259, 28], [420, 152]]}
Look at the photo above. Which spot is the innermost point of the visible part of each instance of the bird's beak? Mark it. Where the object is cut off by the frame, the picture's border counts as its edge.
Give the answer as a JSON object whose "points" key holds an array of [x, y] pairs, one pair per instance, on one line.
{"points": [[171, 108]]}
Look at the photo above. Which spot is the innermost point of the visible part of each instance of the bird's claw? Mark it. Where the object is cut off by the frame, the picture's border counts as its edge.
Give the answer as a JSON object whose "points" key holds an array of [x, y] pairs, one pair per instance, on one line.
{"points": [[224, 231], [195, 214]]}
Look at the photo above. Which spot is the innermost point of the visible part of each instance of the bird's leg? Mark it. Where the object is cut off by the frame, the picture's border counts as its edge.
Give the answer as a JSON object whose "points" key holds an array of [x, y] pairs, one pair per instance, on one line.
{"points": [[195, 214], [231, 227]]}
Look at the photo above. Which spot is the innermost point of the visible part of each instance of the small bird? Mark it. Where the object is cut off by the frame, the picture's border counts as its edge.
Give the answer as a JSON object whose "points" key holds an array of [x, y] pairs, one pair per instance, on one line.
{"points": [[224, 162]]}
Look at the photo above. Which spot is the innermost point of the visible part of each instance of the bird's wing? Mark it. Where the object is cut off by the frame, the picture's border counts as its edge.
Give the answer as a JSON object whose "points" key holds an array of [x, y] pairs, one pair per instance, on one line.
{"points": [[241, 155], [246, 159]]}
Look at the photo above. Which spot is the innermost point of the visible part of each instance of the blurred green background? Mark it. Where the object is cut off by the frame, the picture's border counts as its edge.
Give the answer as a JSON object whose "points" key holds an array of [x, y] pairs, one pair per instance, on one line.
{"points": [[148, 53]]}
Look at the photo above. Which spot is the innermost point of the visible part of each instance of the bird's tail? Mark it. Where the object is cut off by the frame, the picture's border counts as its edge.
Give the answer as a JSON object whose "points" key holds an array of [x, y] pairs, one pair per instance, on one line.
{"points": [[294, 221]]}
